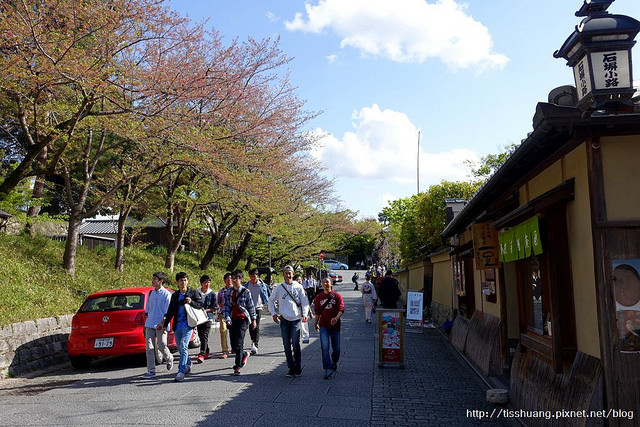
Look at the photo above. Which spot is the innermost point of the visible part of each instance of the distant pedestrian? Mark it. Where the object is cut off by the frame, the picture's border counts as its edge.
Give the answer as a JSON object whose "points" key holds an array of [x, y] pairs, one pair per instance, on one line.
{"points": [[155, 337], [304, 326], [389, 292], [310, 284], [224, 331], [369, 297], [355, 279], [289, 307], [181, 329], [239, 312], [260, 293], [329, 308], [209, 305]]}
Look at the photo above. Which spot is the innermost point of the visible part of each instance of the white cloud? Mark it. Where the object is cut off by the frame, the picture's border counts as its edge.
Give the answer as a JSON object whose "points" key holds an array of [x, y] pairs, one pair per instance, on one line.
{"points": [[383, 145], [332, 59], [387, 198], [404, 30], [271, 17]]}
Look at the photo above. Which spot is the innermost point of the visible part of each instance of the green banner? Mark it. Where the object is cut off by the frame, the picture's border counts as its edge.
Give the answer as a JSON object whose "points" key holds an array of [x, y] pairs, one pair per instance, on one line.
{"points": [[534, 232], [520, 241]]}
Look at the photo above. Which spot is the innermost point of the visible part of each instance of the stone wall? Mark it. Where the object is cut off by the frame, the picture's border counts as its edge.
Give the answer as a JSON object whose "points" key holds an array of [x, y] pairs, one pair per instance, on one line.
{"points": [[440, 313], [33, 345]]}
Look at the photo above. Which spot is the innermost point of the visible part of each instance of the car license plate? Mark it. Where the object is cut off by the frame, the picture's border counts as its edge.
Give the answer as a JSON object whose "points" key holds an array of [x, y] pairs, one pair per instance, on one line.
{"points": [[103, 343]]}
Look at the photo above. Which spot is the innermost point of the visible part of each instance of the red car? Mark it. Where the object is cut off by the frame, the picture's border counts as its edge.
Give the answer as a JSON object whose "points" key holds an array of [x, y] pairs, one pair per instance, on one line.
{"points": [[111, 323]]}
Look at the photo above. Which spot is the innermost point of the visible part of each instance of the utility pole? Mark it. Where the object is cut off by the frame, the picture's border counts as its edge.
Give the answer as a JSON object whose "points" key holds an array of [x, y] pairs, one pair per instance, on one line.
{"points": [[418, 167]]}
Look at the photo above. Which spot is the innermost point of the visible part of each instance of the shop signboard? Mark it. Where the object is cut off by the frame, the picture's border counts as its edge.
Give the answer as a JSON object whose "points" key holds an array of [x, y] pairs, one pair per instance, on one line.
{"points": [[486, 246]]}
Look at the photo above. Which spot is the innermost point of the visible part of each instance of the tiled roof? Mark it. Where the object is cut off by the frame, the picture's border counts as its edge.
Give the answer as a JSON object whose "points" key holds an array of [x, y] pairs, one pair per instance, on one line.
{"points": [[109, 226]]}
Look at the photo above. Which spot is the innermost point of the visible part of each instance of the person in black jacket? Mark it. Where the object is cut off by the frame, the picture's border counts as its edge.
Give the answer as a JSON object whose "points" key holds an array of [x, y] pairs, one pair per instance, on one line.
{"points": [[389, 292], [181, 329]]}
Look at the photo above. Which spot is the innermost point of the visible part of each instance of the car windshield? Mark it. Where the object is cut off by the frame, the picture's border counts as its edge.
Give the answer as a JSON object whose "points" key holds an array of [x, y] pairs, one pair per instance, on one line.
{"points": [[113, 302]]}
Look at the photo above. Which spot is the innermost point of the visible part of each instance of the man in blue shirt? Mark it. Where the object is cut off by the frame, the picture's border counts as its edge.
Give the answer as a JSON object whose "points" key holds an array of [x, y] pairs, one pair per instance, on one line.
{"points": [[181, 329]]}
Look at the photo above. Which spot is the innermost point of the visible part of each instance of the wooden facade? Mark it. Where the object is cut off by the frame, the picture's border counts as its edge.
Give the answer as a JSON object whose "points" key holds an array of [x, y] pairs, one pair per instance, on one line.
{"points": [[561, 313]]}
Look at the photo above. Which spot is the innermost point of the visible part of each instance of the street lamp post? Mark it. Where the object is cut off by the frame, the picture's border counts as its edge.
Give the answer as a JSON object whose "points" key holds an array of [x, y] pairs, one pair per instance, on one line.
{"points": [[269, 245], [599, 51]]}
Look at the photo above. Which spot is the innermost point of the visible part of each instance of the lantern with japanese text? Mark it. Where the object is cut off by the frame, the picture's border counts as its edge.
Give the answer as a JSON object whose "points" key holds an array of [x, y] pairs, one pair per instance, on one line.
{"points": [[599, 51]]}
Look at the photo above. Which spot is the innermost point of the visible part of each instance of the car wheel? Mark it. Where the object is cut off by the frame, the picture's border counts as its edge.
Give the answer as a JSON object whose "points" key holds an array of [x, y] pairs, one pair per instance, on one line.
{"points": [[342, 268], [196, 341], [80, 362]]}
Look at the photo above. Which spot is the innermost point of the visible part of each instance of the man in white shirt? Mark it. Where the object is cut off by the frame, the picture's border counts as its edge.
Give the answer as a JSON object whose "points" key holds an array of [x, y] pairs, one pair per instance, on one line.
{"points": [[156, 339], [289, 306]]}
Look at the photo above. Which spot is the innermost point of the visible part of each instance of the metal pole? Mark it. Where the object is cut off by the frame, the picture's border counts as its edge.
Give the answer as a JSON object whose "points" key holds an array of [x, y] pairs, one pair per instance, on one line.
{"points": [[269, 245], [418, 161]]}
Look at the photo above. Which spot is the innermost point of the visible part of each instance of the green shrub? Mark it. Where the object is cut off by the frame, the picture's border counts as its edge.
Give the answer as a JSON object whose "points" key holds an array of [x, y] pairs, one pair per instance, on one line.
{"points": [[34, 285]]}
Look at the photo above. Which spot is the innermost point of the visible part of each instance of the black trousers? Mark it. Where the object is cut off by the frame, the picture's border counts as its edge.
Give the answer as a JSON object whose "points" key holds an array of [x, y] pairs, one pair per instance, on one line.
{"points": [[237, 331], [203, 333], [311, 295], [255, 332]]}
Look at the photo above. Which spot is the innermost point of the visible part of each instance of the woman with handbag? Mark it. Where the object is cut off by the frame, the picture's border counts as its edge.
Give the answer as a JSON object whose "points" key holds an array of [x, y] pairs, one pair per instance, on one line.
{"points": [[181, 329]]}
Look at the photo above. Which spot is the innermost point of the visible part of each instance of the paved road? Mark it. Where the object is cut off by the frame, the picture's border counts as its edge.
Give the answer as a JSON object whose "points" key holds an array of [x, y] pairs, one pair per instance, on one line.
{"points": [[435, 388]]}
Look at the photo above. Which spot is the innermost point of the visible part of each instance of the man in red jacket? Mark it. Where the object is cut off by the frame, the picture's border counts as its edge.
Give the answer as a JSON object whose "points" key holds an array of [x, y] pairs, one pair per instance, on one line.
{"points": [[329, 308]]}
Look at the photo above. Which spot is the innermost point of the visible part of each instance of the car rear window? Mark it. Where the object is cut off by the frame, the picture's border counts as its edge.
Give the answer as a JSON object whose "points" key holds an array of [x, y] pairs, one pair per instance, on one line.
{"points": [[113, 302]]}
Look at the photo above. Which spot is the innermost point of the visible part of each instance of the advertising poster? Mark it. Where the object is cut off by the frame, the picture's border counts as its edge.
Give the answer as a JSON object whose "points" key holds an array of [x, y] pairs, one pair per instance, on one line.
{"points": [[414, 306], [391, 337], [626, 282]]}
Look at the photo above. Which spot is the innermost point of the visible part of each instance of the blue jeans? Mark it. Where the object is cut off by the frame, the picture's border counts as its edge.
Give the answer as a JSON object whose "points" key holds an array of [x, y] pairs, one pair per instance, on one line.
{"points": [[290, 331], [329, 335], [182, 337]]}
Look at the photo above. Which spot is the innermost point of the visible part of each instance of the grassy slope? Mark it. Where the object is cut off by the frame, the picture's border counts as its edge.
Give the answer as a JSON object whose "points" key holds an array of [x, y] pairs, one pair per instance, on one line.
{"points": [[33, 284]]}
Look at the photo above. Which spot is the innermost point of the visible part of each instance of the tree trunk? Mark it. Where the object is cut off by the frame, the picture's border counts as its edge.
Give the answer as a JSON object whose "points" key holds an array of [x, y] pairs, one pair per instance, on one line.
{"points": [[34, 210], [71, 245], [247, 266], [170, 259], [19, 173], [217, 239], [122, 220], [214, 244], [173, 244], [38, 191], [233, 264]]}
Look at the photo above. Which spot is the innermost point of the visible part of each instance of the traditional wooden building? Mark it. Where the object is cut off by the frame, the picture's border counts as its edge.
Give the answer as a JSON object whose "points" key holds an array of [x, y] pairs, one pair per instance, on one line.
{"points": [[545, 258], [547, 263]]}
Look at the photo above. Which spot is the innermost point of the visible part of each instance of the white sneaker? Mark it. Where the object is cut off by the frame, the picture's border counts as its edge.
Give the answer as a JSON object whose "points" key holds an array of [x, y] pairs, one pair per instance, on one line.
{"points": [[170, 363], [179, 377], [254, 349]]}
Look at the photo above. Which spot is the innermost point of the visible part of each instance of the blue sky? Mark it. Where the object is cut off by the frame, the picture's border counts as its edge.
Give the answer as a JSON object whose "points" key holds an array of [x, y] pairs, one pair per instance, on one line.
{"points": [[465, 74]]}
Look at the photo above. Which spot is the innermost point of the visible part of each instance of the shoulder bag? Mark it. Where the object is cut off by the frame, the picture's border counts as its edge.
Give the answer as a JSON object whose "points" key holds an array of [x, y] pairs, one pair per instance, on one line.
{"points": [[195, 316]]}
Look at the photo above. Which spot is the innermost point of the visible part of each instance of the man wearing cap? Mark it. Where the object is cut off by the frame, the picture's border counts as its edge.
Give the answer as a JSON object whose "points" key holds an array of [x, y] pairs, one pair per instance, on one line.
{"points": [[288, 304]]}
